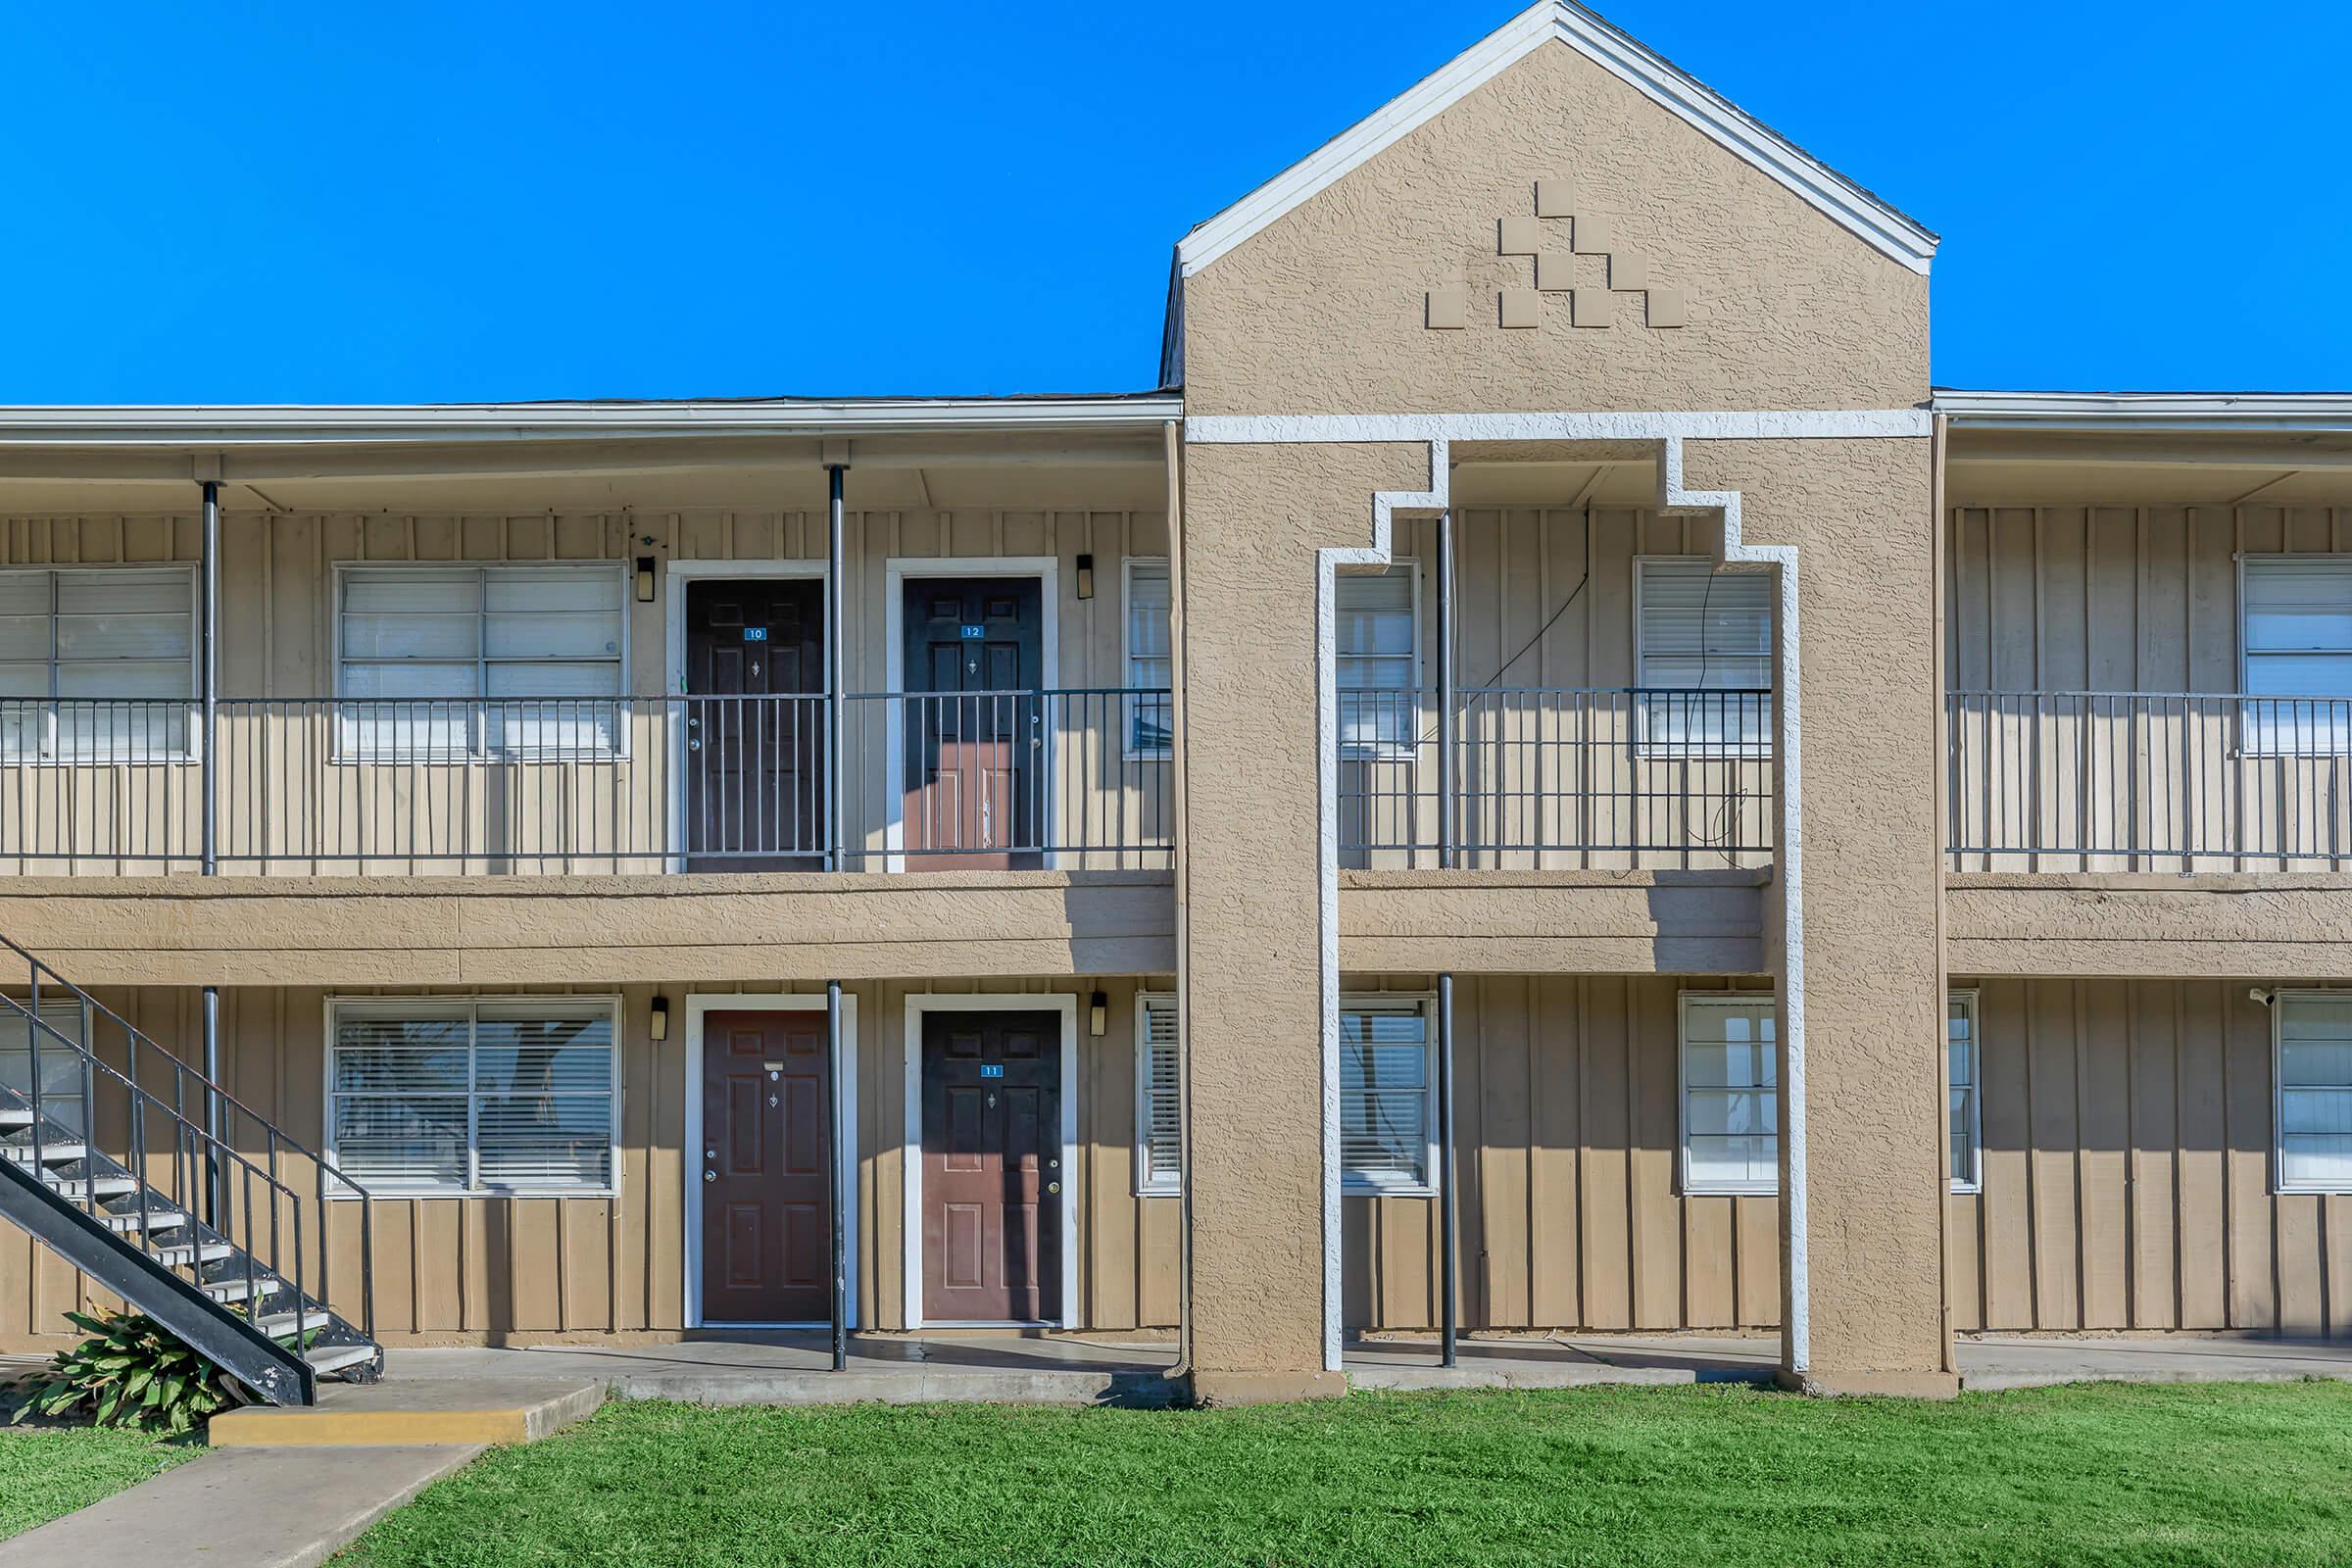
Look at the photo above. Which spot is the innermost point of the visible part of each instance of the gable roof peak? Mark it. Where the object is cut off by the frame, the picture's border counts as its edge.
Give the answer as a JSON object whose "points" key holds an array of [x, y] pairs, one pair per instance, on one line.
{"points": [[1876, 223]]}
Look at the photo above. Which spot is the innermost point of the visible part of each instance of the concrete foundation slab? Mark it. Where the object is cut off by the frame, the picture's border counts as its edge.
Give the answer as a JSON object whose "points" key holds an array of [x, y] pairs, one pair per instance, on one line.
{"points": [[493, 1407]]}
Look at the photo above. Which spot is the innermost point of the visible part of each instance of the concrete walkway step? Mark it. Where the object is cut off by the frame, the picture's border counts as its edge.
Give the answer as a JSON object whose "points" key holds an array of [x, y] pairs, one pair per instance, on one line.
{"points": [[410, 1412], [911, 1384], [251, 1507]]}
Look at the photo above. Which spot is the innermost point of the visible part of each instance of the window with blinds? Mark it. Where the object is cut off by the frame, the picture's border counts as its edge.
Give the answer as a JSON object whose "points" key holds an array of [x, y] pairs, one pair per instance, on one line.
{"points": [[2312, 1033], [1150, 660], [1731, 1093], [460, 1095], [1386, 1070], [1702, 656], [466, 661], [97, 663], [1376, 662], [1962, 1070], [2296, 652], [21, 1045], [1158, 1160]]}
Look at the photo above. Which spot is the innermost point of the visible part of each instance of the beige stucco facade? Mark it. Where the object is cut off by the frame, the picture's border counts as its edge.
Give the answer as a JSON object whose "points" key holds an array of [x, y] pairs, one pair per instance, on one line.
{"points": [[1540, 306]]}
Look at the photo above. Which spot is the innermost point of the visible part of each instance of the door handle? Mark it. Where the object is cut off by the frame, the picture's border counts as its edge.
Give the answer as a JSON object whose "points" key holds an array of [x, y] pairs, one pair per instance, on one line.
{"points": [[710, 1175], [1052, 1187]]}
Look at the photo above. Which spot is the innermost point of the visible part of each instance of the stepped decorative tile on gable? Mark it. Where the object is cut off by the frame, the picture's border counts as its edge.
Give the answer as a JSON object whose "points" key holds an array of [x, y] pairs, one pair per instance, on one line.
{"points": [[1573, 252]]}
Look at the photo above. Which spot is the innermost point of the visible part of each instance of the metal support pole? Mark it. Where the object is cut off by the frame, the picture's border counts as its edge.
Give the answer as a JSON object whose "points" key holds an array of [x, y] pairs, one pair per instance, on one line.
{"points": [[834, 622], [210, 691], [833, 1192], [1447, 812], [1449, 1284]]}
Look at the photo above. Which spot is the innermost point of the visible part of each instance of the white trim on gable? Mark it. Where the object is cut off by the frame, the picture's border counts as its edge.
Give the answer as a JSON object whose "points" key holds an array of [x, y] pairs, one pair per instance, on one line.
{"points": [[1883, 228]]}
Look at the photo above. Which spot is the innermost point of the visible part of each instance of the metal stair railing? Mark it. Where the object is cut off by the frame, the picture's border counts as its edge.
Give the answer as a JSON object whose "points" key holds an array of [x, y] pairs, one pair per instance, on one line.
{"points": [[234, 1226]]}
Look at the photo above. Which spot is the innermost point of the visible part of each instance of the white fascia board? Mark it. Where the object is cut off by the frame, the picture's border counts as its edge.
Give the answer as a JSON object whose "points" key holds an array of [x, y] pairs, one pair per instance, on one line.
{"points": [[227, 425], [1886, 230], [2250, 412]]}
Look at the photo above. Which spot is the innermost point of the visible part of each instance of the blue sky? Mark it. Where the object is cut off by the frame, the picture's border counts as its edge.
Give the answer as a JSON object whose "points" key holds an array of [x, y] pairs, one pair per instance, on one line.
{"points": [[304, 203]]}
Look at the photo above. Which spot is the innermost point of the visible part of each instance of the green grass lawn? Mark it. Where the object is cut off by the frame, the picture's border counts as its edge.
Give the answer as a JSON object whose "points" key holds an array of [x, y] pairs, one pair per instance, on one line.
{"points": [[48, 1471], [2201, 1473]]}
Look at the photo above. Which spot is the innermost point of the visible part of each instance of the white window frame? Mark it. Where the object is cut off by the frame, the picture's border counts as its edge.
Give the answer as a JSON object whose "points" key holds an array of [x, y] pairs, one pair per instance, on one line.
{"points": [[1682, 1098], [337, 1187], [1355, 1185], [2255, 738], [1668, 750], [1129, 750], [1408, 749], [2277, 1010], [48, 756], [1147, 1182], [1972, 1180], [477, 748]]}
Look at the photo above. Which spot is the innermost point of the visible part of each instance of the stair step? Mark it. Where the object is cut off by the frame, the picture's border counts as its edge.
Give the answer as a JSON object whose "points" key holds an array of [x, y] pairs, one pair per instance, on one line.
{"points": [[9, 1116], [179, 1254], [50, 1153], [287, 1325], [335, 1357], [156, 1219], [90, 1186], [236, 1289]]}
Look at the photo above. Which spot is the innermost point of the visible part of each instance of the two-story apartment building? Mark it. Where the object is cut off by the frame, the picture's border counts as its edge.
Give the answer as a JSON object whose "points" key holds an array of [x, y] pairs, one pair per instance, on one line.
{"points": [[1543, 780]]}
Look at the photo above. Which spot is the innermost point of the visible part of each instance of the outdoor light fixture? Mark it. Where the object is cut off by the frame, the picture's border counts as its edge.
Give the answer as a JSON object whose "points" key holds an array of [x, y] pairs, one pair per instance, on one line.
{"points": [[645, 580], [1098, 1006], [1086, 590], [661, 1023]]}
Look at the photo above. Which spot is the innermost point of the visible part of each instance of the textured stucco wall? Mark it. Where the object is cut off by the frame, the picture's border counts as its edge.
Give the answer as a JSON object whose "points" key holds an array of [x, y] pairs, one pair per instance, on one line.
{"points": [[1554, 922], [1860, 514], [1323, 312], [1254, 517], [2148, 924]]}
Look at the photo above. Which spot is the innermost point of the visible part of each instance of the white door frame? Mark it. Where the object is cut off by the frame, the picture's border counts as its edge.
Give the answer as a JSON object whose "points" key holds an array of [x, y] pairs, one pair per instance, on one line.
{"points": [[897, 572], [674, 577], [844, 1141], [910, 1153]]}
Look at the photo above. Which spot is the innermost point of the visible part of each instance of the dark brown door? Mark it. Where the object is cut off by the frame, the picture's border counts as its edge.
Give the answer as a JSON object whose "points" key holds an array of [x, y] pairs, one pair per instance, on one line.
{"points": [[975, 729], [767, 1234], [755, 723], [993, 1174]]}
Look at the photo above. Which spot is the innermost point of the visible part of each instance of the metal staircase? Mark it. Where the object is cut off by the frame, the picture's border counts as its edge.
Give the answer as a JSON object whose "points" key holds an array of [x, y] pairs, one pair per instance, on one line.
{"points": [[167, 1191]]}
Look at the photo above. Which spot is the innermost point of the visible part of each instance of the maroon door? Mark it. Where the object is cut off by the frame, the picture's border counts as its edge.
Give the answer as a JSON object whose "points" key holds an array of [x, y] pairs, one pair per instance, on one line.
{"points": [[992, 1172], [755, 723], [768, 1238], [974, 730]]}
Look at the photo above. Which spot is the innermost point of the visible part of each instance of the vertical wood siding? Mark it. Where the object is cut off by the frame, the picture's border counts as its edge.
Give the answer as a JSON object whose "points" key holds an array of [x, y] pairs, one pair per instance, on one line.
{"points": [[456, 1270], [1571, 1213], [2126, 1170]]}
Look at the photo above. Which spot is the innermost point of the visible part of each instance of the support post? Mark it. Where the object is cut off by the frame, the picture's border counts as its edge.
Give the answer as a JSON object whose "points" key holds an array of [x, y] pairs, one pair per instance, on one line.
{"points": [[209, 692], [833, 1192], [834, 622], [1449, 854]]}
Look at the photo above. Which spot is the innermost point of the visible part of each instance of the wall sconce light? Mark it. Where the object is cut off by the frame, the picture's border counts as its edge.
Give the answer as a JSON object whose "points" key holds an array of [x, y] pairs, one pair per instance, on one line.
{"points": [[645, 580], [661, 1021], [1098, 1011], [1086, 577]]}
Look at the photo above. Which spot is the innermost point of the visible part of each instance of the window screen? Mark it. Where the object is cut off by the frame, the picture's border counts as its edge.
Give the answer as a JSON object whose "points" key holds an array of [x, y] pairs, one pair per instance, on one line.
{"points": [[2298, 640], [22, 1044], [1731, 1094], [1376, 663], [2315, 1091], [1962, 1070], [1150, 664], [97, 663], [1703, 653], [485, 659], [1385, 1074], [461, 1096], [1158, 1160]]}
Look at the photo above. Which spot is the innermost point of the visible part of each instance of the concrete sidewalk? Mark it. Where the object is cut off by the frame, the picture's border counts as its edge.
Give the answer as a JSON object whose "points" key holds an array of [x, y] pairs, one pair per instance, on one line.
{"points": [[250, 1507]]}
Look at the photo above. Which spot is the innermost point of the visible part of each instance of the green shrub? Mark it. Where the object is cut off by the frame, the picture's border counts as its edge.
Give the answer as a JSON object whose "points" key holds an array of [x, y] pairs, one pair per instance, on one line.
{"points": [[130, 1372]]}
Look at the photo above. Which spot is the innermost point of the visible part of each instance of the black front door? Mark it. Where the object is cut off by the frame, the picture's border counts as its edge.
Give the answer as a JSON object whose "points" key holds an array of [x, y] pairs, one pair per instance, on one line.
{"points": [[975, 725], [755, 723]]}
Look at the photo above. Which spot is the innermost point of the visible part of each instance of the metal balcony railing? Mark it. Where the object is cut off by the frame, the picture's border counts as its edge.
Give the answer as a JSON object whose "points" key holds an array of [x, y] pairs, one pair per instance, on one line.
{"points": [[551, 785], [2148, 781], [1557, 778]]}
